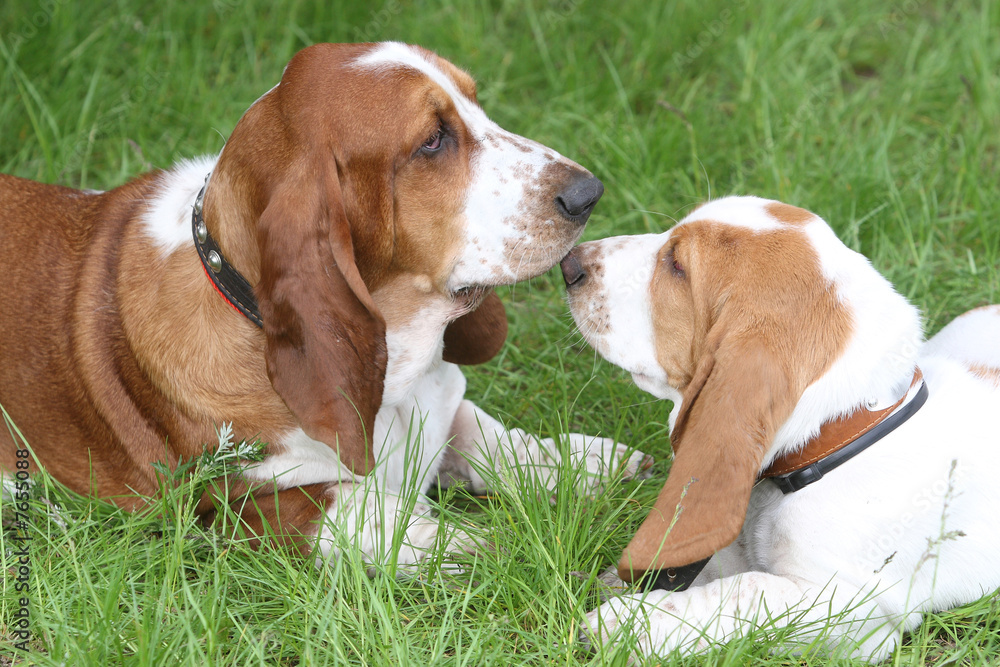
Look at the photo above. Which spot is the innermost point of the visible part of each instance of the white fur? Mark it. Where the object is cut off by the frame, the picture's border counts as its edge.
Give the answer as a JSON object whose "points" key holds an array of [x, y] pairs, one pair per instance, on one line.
{"points": [[168, 218], [623, 309], [877, 364], [415, 350], [970, 339], [736, 211], [433, 433], [907, 526]]}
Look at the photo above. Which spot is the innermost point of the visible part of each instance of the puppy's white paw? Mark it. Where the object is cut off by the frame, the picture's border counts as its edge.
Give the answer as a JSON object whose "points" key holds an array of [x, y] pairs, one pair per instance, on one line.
{"points": [[650, 620]]}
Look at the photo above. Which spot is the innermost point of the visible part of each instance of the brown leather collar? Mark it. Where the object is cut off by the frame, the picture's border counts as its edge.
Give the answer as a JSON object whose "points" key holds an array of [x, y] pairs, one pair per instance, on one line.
{"points": [[838, 441], [836, 435]]}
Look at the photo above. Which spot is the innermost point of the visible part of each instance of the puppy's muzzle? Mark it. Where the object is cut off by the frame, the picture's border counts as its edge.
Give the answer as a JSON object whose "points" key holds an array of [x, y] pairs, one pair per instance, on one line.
{"points": [[572, 270]]}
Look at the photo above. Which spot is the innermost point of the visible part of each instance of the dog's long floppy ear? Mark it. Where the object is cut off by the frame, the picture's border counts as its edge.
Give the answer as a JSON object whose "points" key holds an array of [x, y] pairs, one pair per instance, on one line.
{"points": [[477, 337], [730, 412], [325, 349]]}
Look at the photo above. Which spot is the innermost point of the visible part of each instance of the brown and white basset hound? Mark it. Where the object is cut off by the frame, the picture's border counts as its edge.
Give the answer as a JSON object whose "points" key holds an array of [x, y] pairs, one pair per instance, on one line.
{"points": [[315, 285], [837, 472]]}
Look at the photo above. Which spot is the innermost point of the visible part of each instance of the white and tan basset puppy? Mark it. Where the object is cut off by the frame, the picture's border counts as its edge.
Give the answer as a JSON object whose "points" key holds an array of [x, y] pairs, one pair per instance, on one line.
{"points": [[839, 472], [317, 293]]}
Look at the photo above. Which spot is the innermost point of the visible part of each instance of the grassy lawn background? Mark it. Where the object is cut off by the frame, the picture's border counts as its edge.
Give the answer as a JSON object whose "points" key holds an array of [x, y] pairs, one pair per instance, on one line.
{"points": [[882, 117]]}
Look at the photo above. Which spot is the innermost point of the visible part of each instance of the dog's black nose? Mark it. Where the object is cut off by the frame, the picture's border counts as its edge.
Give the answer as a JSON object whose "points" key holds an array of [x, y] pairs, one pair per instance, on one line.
{"points": [[577, 200], [572, 270]]}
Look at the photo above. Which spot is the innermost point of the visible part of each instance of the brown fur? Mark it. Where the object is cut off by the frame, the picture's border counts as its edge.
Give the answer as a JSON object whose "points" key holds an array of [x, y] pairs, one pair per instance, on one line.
{"points": [[788, 214], [746, 326], [987, 373], [476, 340], [115, 356]]}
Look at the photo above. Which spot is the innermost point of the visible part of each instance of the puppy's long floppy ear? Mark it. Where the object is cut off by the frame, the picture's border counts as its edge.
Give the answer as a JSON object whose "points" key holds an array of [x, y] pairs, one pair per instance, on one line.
{"points": [[325, 349], [766, 326], [477, 337], [770, 325], [730, 412]]}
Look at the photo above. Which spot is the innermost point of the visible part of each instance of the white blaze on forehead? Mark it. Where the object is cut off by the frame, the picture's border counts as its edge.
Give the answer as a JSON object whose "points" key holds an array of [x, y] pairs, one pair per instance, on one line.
{"points": [[749, 212], [389, 55]]}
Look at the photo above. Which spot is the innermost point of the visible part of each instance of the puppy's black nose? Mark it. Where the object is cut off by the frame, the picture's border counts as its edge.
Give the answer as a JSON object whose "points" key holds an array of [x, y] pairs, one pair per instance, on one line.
{"points": [[572, 270], [578, 199]]}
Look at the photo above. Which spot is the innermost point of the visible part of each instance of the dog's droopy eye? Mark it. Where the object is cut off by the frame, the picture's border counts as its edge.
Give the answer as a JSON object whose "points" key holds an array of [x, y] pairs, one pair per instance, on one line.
{"points": [[433, 143]]}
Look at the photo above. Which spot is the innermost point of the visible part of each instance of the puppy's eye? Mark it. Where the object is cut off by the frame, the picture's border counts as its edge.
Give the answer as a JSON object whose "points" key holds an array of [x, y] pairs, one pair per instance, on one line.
{"points": [[675, 265], [433, 144]]}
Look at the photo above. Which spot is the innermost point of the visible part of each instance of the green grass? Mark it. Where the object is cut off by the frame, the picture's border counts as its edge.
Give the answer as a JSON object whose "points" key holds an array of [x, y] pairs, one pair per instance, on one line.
{"points": [[882, 117]]}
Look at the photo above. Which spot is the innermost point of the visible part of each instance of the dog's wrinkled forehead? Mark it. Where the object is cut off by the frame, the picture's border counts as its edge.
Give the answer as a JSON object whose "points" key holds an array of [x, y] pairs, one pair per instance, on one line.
{"points": [[391, 55]]}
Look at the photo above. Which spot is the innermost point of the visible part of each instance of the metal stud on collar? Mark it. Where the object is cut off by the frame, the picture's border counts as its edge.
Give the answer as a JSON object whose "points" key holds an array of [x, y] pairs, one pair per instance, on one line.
{"points": [[214, 261]]}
